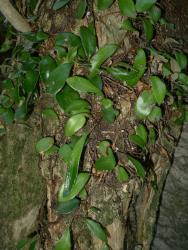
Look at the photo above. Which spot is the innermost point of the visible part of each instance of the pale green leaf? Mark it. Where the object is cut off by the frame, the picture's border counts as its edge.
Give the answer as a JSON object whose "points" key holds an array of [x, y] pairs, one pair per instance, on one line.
{"points": [[121, 174], [158, 89], [65, 242], [74, 123], [127, 8], [44, 144], [143, 5], [104, 4], [138, 166], [96, 229], [82, 84], [80, 183]]}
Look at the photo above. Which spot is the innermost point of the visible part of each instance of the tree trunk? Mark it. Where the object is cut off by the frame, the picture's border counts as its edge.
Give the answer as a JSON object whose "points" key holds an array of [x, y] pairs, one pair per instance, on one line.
{"points": [[128, 211]]}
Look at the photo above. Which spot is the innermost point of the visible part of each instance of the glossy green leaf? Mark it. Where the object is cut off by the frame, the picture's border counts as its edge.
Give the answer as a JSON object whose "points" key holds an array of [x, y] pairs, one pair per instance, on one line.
{"points": [[81, 9], [83, 194], [140, 62], [106, 162], [58, 77], [40, 36], [73, 164], [127, 8], [183, 78], [155, 115], [181, 58], [68, 206], [102, 55], [78, 106], [30, 81], [68, 39], [148, 29], [96, 229], [49, 113], [158, 89], [136, 139], [138, 166], [88, 39], [59, 4], [65, 152], [104, 4], [143, 5], [81, 84], [142, 132], [74, 123], [65, 242], [155, 13], [46, 66], [127, 25], [80, 183], [144, 104], [44, 144], [121, 174], [66, 97]]}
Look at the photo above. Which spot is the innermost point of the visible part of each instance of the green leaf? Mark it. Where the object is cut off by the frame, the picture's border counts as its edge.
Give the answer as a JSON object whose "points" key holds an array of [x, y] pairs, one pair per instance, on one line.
{"points": [[158, 89], [148, 29], [80, 183], [65, 242], [109, 114], [181, 59], [22, 243], [102, 55], [21, 111], [49, 113], [81, 84], [104, 4], [127, 8], [59, 4], [68, 39], [8, 116], [121, 174], [65, 152], [54, 149], [166, 71], [74, 163], [106, 162], [142, 132], [155, 115], [40, 36], [127, 25], [155, 13], [105, 247], [81, 9], [144, 104], [88, 39], [58, 77], [44, 144], [96, 229], [118, 73], [30, 81], [138, 166], [83, 194], [66, 97], [103, 146], [46, 66], [183, 78], [78, 107], [74, 123], [136, 139], [140, 62], [143, 5], [68, 207]]}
